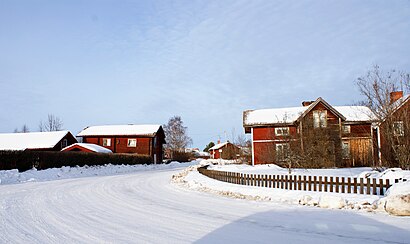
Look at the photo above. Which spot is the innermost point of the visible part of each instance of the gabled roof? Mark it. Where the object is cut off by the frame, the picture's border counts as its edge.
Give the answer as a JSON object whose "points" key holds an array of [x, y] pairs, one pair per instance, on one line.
{"points": [[120, 130], [288, 116], [221, 145], [31, 140], [327, 105], [400, 102], [88, 146]]}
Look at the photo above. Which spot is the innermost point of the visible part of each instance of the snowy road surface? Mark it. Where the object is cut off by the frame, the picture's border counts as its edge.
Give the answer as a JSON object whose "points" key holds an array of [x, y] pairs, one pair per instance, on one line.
{"points": [[143, 207]]}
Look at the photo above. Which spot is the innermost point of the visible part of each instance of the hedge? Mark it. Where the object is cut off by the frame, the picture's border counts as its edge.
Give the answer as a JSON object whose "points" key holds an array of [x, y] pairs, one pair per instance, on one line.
{"points": [[25, 160]]}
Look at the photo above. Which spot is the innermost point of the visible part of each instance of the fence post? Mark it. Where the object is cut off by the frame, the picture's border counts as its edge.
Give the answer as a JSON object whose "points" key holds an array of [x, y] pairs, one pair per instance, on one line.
{"points": [[320, 183], [368, 186], [331, 184], [337, 184], [310, 182], [381, 191], [314, 183], [343, 184], [361, 186], [374, 187]]}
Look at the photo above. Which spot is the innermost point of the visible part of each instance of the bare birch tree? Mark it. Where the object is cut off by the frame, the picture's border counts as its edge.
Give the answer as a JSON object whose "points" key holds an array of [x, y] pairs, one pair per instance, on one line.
{"points": [[53, 123]]}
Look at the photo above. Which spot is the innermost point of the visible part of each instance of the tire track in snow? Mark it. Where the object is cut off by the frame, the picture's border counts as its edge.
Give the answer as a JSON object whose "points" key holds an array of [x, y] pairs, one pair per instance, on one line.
{"points": [[145, 207]]}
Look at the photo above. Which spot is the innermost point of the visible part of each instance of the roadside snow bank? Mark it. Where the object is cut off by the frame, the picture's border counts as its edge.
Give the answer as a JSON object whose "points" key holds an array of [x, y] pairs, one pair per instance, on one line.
{"points": [[397, 201], [14, 176], [192, 179]]}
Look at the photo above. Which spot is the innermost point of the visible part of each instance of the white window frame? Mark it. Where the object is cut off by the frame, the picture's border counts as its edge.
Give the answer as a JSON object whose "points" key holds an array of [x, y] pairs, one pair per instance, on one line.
{"points": [[346, 129], [106, 142], [398, 128], [346, 150], [132, 142], [282, 131], [320, 119], [281, 151]]}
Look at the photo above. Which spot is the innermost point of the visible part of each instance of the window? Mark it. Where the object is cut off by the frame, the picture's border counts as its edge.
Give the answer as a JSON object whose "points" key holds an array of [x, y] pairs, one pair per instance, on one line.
{"points": [[398, 128], [319, 119], [106, 142], [64, 143], [345, 150], [346, 129], [282, 150], [282, 131], [132, 143]]}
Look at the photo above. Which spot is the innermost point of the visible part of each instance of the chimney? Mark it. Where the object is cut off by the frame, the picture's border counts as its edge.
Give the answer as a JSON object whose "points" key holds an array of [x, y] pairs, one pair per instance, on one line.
{"points": [[219, 142], [307, 103], [396, 95]]}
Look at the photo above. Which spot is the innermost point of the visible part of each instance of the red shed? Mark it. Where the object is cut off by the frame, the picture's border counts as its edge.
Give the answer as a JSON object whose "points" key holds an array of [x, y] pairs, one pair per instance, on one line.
{"points": [[224, 150], [138, 139]]}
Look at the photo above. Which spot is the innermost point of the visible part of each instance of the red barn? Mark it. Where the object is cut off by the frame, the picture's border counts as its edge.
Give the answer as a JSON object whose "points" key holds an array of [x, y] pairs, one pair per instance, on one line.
{"points": [[224, 150], [276, 132], [138, 139]]}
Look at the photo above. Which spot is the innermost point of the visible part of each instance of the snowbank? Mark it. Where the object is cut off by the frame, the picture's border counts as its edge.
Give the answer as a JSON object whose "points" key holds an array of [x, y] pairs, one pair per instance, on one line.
{"points": [[192, 179], [14, 176]]}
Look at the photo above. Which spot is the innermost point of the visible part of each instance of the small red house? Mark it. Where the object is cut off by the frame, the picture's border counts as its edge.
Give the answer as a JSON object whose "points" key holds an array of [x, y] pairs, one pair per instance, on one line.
{"points": [[224, 150], [137, 139], [36, 141]]}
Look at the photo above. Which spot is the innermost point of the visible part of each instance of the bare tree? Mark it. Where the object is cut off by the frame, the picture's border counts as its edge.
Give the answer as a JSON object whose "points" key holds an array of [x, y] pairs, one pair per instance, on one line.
{"points": [[377, 87], [24, 129], [53, 123], [176, 134]]}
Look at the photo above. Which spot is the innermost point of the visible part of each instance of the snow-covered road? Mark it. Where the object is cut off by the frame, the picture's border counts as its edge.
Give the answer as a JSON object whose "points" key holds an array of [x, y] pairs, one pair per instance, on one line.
{"points": [[144, 207]]}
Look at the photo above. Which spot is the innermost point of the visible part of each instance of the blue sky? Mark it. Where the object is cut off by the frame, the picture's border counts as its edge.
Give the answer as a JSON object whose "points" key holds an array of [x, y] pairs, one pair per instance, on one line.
{"points": [[121, 62]]}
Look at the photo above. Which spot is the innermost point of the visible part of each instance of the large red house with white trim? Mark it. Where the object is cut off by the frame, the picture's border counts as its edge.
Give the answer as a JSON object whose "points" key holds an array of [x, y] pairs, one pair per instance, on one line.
{"points": [[274, 131], [137, 139]]}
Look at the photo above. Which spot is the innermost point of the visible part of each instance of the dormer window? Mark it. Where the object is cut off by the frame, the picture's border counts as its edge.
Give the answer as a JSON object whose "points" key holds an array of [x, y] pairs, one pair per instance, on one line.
{"points": [[320, 119]]}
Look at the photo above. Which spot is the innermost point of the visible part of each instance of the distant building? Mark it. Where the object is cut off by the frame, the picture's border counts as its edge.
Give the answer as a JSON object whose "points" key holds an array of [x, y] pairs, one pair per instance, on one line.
{"points": [[137, 139], [36, 141], [225, 150]]}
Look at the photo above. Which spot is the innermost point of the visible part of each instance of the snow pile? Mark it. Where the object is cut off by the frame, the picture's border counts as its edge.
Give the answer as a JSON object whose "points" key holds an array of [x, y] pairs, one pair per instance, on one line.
{"points": [[391, 174], [14, 176], [397, 201], [328, 201], [192, 179]]}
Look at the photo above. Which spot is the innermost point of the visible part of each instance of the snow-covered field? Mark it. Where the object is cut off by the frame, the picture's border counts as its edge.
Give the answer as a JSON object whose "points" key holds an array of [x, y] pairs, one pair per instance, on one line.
{"points": [[139, 204]]}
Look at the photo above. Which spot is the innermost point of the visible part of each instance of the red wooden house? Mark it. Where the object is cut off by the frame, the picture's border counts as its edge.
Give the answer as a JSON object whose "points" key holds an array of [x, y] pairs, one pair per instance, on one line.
{"points": [[36, 141], [224, 150], [138, 139], [276, 132], [394, 127]]}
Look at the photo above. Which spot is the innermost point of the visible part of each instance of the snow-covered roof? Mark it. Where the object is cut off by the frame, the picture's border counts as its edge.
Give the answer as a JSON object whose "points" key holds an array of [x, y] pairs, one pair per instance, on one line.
{"points": [[89, 146], [291, 115], [273, 116], [31, 140], [220, 145], [120, 130], [356, 113]]}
